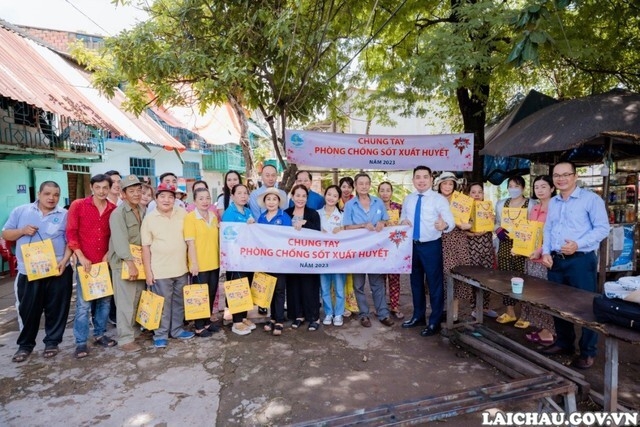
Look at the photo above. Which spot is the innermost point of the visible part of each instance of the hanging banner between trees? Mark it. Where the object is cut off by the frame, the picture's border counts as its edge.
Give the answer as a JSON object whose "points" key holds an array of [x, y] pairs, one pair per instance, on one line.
{"points": [[272, 249], [383, 152]]}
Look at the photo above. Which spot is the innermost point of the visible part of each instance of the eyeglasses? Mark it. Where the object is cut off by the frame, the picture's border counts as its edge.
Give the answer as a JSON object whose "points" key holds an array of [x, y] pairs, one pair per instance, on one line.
{"points": [[564, 175]]}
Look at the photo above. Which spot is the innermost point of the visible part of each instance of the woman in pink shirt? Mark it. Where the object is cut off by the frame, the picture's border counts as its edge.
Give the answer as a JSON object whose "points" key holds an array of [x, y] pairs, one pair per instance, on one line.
{"points": [[543, 190]]}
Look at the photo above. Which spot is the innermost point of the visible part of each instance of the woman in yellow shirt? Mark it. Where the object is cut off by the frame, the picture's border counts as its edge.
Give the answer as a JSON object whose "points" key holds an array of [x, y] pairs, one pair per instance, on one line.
{"points": [[201, 235]]}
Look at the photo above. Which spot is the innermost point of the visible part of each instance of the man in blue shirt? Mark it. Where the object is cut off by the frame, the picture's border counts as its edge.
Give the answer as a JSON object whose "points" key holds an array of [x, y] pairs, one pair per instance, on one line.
{"points": [[366, 211], [269, 177], [315, 201], [429, 213], [576, 223], [38, 221]]}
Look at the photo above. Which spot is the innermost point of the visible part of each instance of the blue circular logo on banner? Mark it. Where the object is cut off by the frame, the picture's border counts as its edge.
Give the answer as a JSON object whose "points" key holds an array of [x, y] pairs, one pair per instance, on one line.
{"points": [[230, 234], [297, 140]]}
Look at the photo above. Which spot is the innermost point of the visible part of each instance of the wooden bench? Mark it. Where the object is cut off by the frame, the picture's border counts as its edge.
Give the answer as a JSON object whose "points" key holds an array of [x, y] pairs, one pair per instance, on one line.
{"points": [[566, 302]]}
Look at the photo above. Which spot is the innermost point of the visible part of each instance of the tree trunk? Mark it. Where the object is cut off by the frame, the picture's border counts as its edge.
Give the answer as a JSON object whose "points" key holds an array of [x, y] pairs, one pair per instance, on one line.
{"points": [[245, 144], [474, 117]]}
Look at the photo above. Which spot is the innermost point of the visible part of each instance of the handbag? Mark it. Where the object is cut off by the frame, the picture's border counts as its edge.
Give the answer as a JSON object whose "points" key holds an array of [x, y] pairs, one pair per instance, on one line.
{"points": [[196, 301], [262, 289], [149, 310], [527, 237], [136, 253], [461, 206], [95, 283], [39, 259], [238, 295], [482, 217], [512, 217]]}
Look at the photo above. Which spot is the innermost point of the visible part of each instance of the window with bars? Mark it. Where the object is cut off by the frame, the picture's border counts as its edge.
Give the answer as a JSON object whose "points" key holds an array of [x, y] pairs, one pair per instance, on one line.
{"points": [[191, 170], [142, 167]]}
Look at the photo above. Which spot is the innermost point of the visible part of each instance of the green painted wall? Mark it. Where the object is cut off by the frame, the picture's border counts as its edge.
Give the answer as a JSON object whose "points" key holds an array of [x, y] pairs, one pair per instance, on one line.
{"points": [[13, 175]]}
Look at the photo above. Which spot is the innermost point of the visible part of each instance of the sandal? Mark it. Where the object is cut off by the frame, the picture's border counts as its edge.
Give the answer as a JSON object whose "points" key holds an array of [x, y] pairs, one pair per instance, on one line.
{"points": [[212, 328], [297, 323], [105, 341], [20, 356], [397, 314], [268, 327], [314, 326], [204, 333], [522, 324], [81, 351], [505, 318], [277, 329], [50, 352]]}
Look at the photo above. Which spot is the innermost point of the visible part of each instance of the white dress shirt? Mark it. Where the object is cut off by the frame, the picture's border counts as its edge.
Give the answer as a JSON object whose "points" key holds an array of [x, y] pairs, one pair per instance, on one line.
{"points": [[433, 205]]}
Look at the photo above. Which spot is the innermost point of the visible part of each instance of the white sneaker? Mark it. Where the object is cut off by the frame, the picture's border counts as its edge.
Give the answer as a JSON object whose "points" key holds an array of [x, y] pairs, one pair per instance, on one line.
{"points": [[249, 324], [337, 321], [240, 329], [327, 320]]}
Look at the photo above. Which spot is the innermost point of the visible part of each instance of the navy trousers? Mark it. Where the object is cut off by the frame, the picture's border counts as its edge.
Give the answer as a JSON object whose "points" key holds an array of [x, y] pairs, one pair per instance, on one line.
{"points": [[427, 262], [579, 271]]}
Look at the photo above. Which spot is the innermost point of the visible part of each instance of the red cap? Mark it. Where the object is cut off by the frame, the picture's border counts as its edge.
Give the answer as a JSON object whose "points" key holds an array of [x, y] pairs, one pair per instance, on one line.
{"points": [[166, 187]]}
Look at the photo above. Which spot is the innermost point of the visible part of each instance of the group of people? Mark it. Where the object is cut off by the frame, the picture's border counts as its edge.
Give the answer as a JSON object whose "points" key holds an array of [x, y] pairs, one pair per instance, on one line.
{"points": [[179, 245]]}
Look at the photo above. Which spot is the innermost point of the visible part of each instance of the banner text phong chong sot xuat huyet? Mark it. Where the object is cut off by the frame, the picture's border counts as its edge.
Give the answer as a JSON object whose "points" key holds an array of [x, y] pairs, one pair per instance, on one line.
{"points": [[452, 152], [274, 249]]}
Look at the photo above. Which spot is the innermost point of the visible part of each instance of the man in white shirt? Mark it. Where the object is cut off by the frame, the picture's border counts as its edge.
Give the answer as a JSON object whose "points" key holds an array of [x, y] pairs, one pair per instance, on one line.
{"points": [[430, 215]]}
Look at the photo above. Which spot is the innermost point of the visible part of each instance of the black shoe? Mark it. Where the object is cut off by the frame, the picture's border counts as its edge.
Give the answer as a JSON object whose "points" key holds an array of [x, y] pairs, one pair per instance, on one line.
{"points": [[262, 311], [430, 331], [412, 323]]}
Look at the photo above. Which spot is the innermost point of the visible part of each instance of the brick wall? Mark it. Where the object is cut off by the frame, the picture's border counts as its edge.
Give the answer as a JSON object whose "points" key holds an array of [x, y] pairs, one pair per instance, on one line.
{"points": [[59, 40]]}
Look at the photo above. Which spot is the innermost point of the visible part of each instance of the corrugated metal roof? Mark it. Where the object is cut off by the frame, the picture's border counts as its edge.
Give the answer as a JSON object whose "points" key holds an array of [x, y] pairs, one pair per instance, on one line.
{"points": [[36, 75]]}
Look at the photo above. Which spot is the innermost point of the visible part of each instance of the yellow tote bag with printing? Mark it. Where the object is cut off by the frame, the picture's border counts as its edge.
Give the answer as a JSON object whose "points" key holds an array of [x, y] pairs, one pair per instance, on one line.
{"points": [[527, 237], [136, 253], [262, 289], [39, 259], [482, 217], [95, 283], [461, 206], [512, 217], [238, 295], [196, 301], [150, 310]]}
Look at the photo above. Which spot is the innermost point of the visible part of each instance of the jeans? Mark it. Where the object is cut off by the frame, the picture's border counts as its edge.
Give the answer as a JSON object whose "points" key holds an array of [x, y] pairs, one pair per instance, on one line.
{"points": [[83, 309], [338, 281], [376, 283]]}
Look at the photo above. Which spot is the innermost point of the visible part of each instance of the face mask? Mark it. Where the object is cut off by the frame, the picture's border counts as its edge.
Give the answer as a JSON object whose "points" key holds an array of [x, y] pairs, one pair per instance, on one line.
{"points": [[514, 193]]}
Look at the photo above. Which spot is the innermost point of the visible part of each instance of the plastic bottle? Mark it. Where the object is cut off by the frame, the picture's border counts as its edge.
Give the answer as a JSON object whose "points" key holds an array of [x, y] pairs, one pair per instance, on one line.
{"points": [[631, 194]]}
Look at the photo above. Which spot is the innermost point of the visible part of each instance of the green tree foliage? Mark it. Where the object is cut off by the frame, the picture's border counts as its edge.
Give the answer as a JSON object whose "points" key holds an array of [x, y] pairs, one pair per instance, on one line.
{"points": [[281, 57]]}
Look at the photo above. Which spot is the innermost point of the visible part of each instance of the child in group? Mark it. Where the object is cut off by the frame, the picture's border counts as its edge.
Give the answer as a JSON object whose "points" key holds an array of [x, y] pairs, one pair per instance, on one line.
{"points": [[201, 235], [239, 211], [331, 222], [273, 214], [385, 192]]}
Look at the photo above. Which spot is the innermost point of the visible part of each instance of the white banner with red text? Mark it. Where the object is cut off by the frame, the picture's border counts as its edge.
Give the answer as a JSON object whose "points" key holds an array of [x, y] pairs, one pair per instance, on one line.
{"points": [[278, 249], [389, 152]]}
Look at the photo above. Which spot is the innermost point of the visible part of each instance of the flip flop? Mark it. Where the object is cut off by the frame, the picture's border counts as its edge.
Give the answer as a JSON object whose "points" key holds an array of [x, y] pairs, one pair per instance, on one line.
{"points": [[105, 341], [50, 352], [505, 318], [522, 324], [20, 356], [81, 351]]}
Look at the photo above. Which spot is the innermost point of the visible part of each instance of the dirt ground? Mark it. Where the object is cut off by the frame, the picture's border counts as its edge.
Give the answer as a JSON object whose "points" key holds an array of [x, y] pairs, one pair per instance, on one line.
{"points": [[256, 379]]}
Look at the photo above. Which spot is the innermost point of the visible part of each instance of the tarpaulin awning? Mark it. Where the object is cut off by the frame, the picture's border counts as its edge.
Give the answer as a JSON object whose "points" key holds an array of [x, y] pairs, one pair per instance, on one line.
{"points": [[34, 74]]}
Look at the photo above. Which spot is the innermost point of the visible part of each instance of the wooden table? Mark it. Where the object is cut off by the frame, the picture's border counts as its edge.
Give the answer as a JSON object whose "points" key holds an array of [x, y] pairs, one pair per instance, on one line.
{"points": [[566, 302]]}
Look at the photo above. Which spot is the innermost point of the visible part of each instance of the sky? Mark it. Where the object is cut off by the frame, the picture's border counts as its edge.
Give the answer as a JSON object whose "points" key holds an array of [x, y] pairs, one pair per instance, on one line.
{"points": [[98, 17]]}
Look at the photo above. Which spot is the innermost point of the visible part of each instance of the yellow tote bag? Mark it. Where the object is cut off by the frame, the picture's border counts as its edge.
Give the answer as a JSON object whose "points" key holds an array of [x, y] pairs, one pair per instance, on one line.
{"points": [[527, 238], [482, 217], [39, 259], [238, 295], [96, 283], [150, 310], [196, 302], [262, 289], [461, 205], [512, 217], [136, 253]]}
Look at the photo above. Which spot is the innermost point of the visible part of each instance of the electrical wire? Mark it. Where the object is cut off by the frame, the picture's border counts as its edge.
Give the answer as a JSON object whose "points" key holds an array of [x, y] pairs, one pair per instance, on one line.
{"points": [[88, 17]]}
